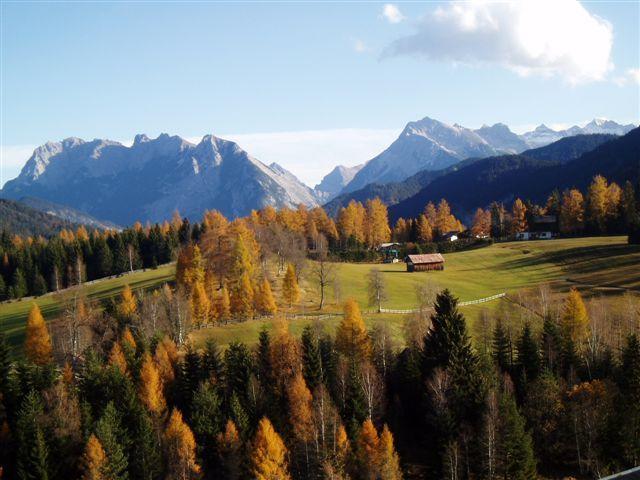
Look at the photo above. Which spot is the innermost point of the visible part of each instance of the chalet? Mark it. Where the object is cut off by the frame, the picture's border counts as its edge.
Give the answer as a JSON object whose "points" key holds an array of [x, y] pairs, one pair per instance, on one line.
{"points": [[449, 237], [390, 251], [424, 262]]}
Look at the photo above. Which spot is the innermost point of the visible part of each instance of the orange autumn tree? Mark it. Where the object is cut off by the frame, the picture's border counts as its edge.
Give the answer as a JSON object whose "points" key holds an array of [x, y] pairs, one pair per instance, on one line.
{"points": [[150, 389], [117, 358], [265, 303], [481, 223], [300, 408], [128, 342], [377, 223], [574, 321], [164, 360], [128, 306], [425, 229], [94, 461], [180, 449], [223, 305], [518, 217], [388, 460], [37, 345], [367, 451], [242, 298], [200, 305], [352, 340], [230, 449], [268, 454], [290, 288]]}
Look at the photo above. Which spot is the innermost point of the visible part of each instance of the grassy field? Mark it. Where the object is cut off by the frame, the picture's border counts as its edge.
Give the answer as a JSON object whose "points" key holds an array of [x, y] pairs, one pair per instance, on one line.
{"points": [[13, 314], [599, 264]]}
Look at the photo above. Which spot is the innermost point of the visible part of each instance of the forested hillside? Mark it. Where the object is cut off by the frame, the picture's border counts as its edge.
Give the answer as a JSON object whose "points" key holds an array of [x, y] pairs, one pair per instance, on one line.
{"points": [[20, 219]]}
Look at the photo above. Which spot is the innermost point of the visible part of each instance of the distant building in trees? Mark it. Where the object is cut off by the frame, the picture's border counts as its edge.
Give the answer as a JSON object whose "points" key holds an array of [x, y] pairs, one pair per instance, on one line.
{"points": [[450, 236], [389, 251], [424, 262]]}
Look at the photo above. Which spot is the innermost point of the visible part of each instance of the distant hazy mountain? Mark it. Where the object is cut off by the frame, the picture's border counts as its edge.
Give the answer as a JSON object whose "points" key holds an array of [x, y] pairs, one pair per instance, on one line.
{"points": [[500, 137], [423, 145], [335, 181], [543, 135], [67, 213], [562, 151], [17, 218], [154, 177], [531, 175]]}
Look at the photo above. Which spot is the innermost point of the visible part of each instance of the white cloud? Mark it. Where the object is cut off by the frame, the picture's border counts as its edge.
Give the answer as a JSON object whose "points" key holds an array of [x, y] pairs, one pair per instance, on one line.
{"points": [[530, 37], [392, 13], [632, 76]]}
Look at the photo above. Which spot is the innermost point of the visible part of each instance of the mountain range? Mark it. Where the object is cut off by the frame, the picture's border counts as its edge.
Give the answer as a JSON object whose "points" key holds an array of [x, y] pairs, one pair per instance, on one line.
{"points": [[152, 178]]}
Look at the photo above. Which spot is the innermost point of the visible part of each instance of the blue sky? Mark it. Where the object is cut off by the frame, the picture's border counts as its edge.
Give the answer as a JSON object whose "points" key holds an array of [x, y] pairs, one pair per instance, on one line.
{"points": [[309, 85]]}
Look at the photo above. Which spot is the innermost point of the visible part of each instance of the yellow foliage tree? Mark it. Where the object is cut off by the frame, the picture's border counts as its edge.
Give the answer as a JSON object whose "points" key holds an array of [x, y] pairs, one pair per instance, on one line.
{"points": [[150, 388], [481, 223], [388, 460], [352, 340], [518, 217], [230, 448], [164, 360], [368, 451], [265, 303], [268, 454], [200, 305], [37, 344], [180, 449], [597, 203], [94, 460], [127, 339], [290, 288], [425, 230], [242, 298], [128, 306], [223, 305], [117, 358], [572, 212], [377, 223], [300, 408], [575, 320]]}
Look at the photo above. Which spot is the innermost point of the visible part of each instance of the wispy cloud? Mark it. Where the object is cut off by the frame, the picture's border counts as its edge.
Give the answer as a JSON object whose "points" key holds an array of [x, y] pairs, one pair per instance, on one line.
{"points": [[392, 13], [359, 46], [530, 37], [631, 76]]}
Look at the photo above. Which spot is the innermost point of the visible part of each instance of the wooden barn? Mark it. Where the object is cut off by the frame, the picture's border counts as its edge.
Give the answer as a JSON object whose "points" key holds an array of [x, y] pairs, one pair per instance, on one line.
{"points": [[424, 262]]}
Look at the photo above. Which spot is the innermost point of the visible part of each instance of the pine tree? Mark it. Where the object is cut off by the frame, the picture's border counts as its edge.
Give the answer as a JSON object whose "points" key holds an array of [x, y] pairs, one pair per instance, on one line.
{"points": [[501, 347], [19, 284], [265, 303], [311, 358], [528, 354], [574, 321], [352, 340], [109, 431], [206, 421], [290, 289], [150, 389], [628, 405], [515, 449], [388, 460], [37, 345], [180, 449], [94, 460], [5, 362], [32, 455], [368, 451], [268, 454], [211, 362], [242, 298]]}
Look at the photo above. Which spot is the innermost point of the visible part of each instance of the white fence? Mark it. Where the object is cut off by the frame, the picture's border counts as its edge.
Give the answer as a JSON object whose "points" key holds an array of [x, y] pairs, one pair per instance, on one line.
{"points": [[461, 304]]}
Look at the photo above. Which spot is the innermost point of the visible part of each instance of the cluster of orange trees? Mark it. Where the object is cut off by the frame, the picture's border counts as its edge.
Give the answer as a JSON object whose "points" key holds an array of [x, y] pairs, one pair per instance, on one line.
{"points": [[431, 224]]}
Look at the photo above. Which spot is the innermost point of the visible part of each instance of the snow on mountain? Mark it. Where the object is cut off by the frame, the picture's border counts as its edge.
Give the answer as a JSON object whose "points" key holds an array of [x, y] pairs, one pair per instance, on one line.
{"points": [[154, 177], [423, 145], [335, 181], [544, 135], [499, 136]]}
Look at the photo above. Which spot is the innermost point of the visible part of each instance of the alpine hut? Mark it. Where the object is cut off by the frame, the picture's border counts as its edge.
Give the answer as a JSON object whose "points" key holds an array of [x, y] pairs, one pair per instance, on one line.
{"points": [[424, 262]]}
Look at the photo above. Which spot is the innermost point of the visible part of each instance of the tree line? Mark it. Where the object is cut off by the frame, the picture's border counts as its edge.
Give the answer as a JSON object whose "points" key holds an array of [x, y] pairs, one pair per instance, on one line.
{"points": [[134, 402]]}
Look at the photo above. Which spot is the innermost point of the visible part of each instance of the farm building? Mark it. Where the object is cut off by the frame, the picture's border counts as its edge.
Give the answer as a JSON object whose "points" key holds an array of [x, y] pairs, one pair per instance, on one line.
{"points": [[424, 262], [389, 251]]}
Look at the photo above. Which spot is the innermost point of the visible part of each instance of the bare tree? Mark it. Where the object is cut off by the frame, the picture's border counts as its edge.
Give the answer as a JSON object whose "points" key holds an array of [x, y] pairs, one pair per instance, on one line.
{"points": [[382, 347], [426, 294], [73, 328], [152, 314], [176, 304], [372, 388], [322, 270], [377, 288]]}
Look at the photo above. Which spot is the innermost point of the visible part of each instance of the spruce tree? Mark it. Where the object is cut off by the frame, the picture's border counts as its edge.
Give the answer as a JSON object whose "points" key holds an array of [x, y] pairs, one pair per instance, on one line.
{"points": [[5, 362], [212, 362], [528, 354], [551, 345], [629, 401], [515, 450], [501, 347], [32, 453], [110, 433], [311, 358]]}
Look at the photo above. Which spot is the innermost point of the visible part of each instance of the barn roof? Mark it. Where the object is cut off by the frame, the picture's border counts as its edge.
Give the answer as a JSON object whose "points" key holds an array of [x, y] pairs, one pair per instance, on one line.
{"points": [[426, 258]]}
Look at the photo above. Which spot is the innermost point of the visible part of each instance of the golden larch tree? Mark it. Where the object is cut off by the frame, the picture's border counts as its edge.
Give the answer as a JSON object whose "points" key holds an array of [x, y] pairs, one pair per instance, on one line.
{"points": [[180, 449], [290, 288], [518, 217], [597, 202], [481, 223], [163, 361], [127, 339], [230, 449], [574, 320], [117, 358], [150, 387], [352, 340], [223, 305], [268, 454], [377, 223], [200, 305], [572, 211], [242, 298], [300, 408], [388, 460], [128, 306], [94, 460], [37, 344], [425, 229], [265, 303], [613, 201], [368, 451]]}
